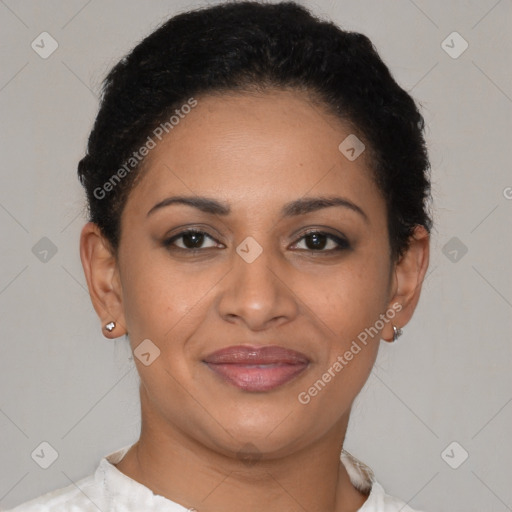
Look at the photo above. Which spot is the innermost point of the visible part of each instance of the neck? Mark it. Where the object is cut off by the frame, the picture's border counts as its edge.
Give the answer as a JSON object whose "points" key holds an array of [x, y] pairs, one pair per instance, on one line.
{"points": [[174, 465]]}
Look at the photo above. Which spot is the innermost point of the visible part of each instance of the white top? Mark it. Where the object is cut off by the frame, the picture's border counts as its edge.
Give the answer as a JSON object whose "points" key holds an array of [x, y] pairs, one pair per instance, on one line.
{"points": [[110, 490]]}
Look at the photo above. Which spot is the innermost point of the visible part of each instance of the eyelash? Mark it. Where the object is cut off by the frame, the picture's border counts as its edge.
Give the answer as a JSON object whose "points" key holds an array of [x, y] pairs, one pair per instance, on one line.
{"points": [[342, 244]]}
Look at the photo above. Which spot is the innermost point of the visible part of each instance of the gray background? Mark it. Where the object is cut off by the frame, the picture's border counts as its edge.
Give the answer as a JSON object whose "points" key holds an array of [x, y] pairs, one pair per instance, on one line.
{"points": [[448, 377]]}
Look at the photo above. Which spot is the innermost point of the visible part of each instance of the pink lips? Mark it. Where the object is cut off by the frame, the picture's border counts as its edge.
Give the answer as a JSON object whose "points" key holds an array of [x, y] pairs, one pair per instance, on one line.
{"points": [[257, 368]]}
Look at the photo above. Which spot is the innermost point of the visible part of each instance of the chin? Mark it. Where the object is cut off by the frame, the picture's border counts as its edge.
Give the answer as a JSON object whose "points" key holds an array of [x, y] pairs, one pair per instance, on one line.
{"points": [[259, 436]]}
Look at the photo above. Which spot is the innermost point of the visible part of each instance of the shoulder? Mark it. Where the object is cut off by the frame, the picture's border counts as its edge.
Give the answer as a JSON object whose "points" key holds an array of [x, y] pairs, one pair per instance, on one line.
{"points": [[71, 498], [363, 478], [90, 494], [379, 501]]}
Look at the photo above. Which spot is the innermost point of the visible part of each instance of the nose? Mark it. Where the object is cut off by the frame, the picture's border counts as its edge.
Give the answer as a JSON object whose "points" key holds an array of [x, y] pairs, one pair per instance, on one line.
{"points": [[258, 294]]}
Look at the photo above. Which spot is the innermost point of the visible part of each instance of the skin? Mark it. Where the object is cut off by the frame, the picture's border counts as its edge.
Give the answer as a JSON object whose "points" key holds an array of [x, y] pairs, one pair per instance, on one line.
{"points": [[254, 152]]}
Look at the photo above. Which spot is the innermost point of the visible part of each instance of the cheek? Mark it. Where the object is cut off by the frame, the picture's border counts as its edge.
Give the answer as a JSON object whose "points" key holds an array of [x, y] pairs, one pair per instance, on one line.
{"points": [[346, 310], [346, 300], [149, 294], [346, 306], [161, 301]]}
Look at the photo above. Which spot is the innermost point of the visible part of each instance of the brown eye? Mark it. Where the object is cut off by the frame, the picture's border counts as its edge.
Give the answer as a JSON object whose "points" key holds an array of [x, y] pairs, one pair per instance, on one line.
{"points": [[190, 240], [319, 241]]}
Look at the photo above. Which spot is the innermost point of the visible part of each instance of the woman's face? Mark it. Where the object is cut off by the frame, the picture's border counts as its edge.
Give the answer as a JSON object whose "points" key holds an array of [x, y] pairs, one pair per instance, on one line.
{"points": [[256, 277]]}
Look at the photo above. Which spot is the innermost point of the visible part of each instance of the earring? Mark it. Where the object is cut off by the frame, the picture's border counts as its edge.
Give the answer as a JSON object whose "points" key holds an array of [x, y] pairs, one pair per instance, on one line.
{"points": [[396, 333], [110, 326]]}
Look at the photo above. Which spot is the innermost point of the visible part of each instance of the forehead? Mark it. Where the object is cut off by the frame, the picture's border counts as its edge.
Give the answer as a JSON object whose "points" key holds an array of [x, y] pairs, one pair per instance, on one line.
{"points": [[253, 149]]}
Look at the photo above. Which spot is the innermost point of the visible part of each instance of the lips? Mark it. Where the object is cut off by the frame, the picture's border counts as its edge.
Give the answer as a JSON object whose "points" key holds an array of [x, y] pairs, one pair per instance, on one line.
{"points": [[257, 368]]}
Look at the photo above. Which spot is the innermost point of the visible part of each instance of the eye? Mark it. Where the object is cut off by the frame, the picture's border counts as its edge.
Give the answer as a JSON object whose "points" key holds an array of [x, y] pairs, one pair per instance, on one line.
{"points": [[314, 241], [191, 239], [319, 241]]}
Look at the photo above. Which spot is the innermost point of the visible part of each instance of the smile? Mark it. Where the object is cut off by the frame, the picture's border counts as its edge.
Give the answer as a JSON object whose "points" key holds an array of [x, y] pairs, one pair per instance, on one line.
{"points": [[257, 369]]}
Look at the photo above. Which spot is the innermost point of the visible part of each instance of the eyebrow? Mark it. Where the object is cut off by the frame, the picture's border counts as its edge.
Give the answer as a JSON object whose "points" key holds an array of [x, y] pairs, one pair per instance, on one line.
{"points": [[292, 209]]}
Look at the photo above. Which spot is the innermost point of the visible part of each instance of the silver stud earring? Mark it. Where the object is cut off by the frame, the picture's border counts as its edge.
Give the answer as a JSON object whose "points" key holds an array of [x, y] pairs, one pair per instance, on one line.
{"points": [[110, 326], [396, 333]]}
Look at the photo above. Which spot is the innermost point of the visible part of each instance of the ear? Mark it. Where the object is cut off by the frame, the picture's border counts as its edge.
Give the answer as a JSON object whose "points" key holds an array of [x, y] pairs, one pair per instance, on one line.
{"points": [[407, 279], [102, 275]]}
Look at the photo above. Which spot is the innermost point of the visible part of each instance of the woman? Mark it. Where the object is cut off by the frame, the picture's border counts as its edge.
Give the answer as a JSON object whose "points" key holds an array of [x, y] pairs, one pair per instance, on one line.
{"points": [[257, 186]]}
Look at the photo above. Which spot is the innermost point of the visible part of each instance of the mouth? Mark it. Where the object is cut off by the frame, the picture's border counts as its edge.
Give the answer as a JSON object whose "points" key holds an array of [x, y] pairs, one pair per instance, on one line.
{"points": [[257, 369]]}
